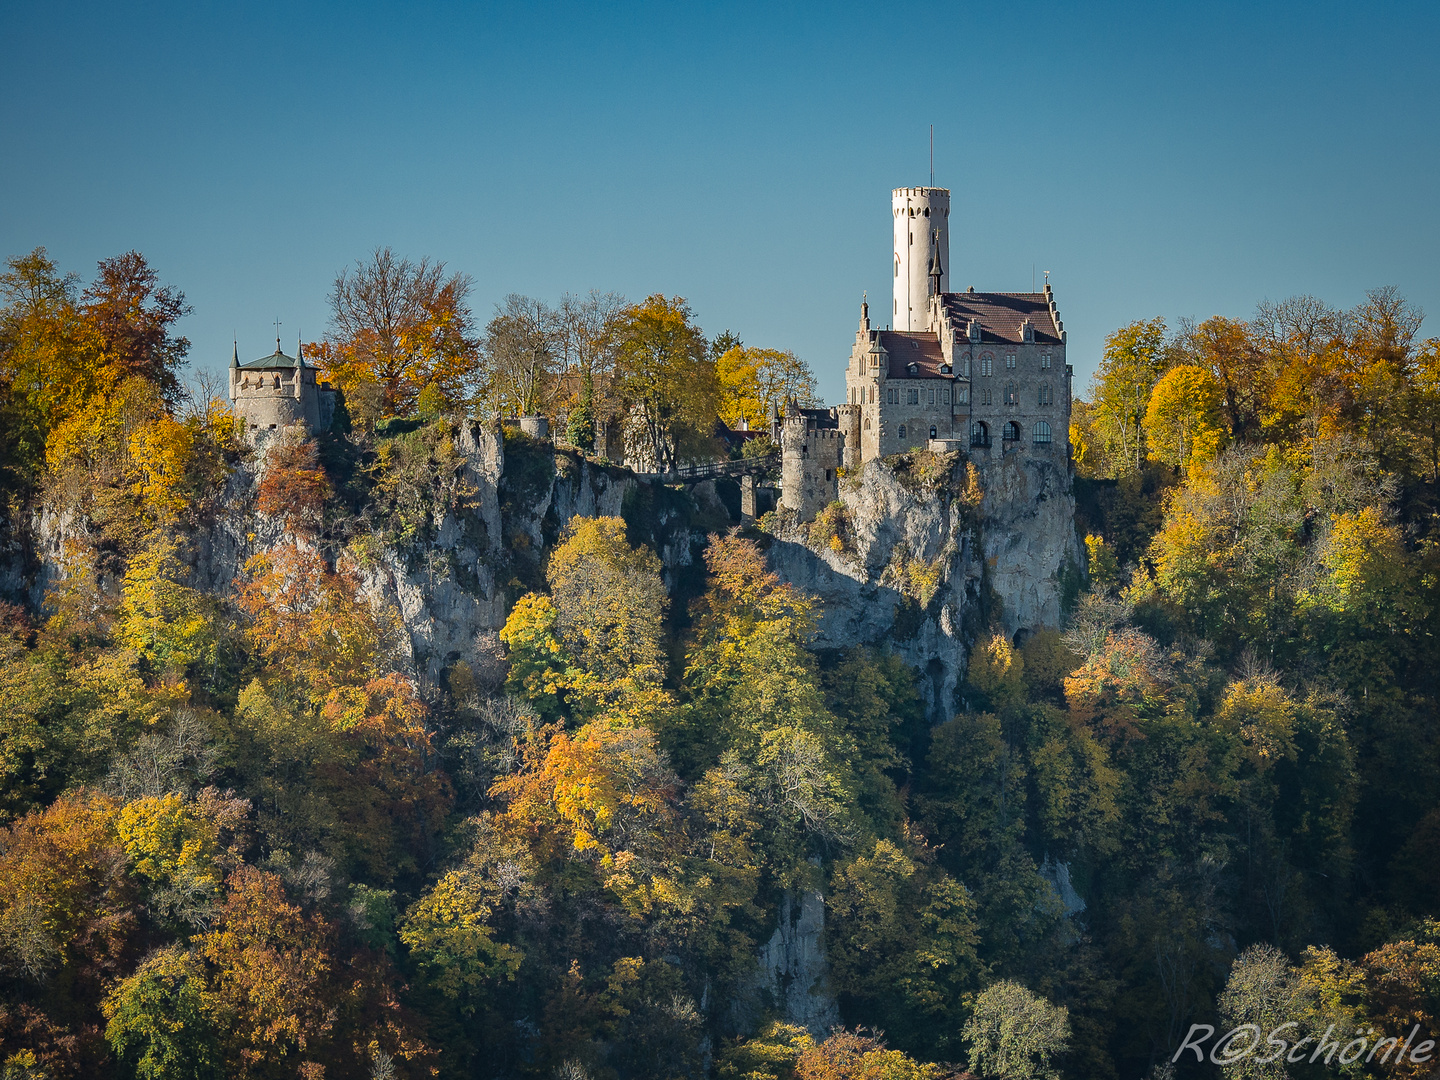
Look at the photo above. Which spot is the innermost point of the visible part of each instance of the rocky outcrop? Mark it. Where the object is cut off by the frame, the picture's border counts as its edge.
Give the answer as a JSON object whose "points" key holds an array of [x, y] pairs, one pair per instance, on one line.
{"points": [[452, 589], [1027, 531], [791, 977], [909, 560]]}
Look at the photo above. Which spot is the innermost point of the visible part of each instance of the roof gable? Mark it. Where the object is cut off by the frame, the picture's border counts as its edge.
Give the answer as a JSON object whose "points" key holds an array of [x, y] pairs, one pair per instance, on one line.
{"points": [[908, 347], [1002, 314]]}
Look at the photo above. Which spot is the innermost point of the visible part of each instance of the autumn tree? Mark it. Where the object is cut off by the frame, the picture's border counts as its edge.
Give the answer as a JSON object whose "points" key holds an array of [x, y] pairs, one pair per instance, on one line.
{"points": [[523, 345], [131, 315], [1182, 422], [42, 374], [60, 347], [273, 995], [1425, 405], [1241, 370], [1134, 359], [66, 904], [666, 377], [401, 326], [610, 600], [754, 381]]}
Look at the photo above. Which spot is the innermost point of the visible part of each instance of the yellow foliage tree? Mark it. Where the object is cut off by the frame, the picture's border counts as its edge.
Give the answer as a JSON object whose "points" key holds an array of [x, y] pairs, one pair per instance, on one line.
{"points": [[610, 601], [997, 671], [753, 381], [605, 796], [165, 622], [665, 375], [1183, 422]]}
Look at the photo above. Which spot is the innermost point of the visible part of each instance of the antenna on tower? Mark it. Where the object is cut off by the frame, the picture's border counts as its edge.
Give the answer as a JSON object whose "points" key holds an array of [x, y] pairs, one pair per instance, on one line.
{"points": [[932, 155]]}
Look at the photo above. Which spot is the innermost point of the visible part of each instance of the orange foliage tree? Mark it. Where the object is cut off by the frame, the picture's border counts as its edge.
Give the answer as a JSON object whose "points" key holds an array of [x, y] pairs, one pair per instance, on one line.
{"points": [[403, 327]]}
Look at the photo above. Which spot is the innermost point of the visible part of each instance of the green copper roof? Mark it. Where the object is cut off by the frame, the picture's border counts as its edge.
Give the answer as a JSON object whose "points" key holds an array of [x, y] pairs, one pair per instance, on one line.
{"points": [[277, 359]]}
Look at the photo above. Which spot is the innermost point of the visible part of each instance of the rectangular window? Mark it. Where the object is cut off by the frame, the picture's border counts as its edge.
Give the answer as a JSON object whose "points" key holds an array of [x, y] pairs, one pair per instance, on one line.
{"points": [[932, 397], [913, 397], [1045, 363], [1009, 363], [985, 365], [947, 395]]}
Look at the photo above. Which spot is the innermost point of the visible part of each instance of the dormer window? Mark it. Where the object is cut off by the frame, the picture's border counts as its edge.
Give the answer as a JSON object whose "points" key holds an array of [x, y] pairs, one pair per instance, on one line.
{"points": [[1027, 331], [945, 369], [913, 368], [973, 330]]}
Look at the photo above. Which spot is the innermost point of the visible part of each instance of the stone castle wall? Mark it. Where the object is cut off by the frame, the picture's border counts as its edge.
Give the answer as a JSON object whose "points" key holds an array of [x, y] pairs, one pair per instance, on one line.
{"points": [[275, 398], [811, 456]]}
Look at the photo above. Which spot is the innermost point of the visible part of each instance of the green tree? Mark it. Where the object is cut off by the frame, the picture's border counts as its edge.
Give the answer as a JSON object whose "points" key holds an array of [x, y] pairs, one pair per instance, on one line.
{"points": [[1134, 359], [159, 1022], [1016, 1035]]}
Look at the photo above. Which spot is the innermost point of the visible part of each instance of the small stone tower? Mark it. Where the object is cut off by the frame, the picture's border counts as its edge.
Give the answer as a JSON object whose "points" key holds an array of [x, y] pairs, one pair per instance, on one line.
{"points": [[922, 252], [812, 445], [279, 391]]}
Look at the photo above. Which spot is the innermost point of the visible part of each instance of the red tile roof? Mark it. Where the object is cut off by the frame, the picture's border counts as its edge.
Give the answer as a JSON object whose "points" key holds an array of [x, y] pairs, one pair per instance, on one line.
{"points": [[1001, 314], [907, 347]]}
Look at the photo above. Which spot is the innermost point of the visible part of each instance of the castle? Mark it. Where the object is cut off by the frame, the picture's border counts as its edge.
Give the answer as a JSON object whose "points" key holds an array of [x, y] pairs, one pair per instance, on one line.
{"points": [[983, 371], [278, 391]]}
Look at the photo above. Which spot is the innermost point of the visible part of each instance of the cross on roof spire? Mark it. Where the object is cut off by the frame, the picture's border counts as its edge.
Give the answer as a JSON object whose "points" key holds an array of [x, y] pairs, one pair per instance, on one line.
{"points": [[277, 335]]}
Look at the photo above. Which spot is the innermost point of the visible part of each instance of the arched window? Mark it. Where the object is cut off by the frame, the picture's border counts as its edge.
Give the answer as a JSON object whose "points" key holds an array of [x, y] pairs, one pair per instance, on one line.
{"points": [[1046, 397], [933, 431], [872, 395], [1010, 393], [1042, 433], [1012, 431], [979, 434], [867, 423], [987, 365]]}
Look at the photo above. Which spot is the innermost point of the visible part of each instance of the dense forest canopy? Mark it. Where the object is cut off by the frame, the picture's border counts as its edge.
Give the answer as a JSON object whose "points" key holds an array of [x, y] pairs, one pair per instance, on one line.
{"points": [[239, 838]]}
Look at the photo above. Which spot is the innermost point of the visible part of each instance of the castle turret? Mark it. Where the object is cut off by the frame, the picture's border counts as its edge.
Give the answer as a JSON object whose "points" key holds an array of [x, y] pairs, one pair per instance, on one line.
{"points": [[922, 252]]}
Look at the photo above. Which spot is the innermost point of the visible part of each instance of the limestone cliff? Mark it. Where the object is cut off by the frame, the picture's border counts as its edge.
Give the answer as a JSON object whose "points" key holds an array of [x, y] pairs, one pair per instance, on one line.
{"points": [[492, 507], [919, 557]]}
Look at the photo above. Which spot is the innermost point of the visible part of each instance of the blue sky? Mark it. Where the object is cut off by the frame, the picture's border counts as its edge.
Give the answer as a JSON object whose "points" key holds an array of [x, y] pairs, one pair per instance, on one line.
{"points": [[1157, 159]]}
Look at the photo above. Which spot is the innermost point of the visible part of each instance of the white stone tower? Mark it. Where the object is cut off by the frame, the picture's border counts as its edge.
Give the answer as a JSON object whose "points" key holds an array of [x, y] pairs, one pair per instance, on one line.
{"points": [[922, 247]]}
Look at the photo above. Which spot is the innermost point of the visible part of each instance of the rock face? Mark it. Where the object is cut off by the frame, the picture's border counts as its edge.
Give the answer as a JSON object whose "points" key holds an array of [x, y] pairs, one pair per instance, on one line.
{"points": [[791, 976], [453, 590], [1028, 534], [908, 561]]}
